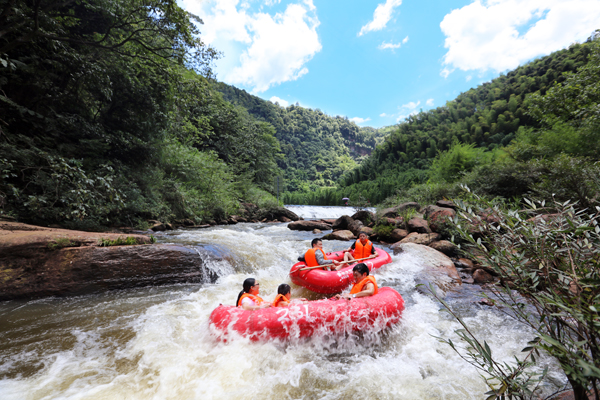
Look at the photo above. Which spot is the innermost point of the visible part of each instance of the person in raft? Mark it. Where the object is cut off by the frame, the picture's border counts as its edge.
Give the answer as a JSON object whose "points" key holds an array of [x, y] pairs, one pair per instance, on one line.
{"points": [[284, 296], [363, 248], [316, 256], [365, 284], [248, 298]]}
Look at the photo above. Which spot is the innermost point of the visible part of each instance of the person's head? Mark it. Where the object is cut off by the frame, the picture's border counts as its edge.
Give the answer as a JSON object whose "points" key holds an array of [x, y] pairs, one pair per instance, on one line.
{"points": [[360, 272], [316, 242], [285, 290], [249, 286], [363, 237]]}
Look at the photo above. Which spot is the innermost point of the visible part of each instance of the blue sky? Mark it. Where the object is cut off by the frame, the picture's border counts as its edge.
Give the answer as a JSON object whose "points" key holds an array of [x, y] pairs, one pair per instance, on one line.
{"points": [[377, 62]]}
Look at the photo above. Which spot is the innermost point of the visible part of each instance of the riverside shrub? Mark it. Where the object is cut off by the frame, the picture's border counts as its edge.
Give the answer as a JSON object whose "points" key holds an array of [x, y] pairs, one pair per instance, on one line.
{"points": [[549, 265]]}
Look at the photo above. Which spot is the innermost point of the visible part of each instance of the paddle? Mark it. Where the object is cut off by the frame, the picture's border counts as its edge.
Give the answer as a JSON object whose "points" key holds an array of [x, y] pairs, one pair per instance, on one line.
{"points": [[342, 262]]}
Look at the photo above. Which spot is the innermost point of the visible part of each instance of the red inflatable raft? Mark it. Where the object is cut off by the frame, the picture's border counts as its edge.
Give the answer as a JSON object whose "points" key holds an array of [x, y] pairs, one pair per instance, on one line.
{"points": [[329, 282], [300, 320]]}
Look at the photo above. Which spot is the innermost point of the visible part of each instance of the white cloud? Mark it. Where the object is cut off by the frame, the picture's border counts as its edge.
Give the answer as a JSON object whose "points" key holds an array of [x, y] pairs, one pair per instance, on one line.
{"points": [[359, 120], [384, 115], [405, 40], [392, 46], [429, 103], [412, 105], [261, 50], [282, 102], [381, 16], [403, 117], [484, 35], [468, 78], [445, 72]]}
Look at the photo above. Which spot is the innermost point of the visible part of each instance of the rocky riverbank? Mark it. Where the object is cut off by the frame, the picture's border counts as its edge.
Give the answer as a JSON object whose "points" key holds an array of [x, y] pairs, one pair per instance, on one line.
{"points": [[37, 261], [403, 226]]}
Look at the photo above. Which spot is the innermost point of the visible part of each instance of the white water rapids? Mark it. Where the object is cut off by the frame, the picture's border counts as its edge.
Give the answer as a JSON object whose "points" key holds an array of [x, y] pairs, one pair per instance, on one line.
{"points": [[153, 343]]}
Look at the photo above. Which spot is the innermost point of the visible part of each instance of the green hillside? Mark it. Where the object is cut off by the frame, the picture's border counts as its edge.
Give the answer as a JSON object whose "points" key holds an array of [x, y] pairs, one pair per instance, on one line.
{"points": [[317, 148], [487, 117]]}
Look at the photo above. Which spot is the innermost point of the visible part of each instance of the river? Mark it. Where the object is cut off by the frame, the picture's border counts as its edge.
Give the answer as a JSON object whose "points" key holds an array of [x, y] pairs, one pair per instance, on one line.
{"points": [[153, 343]]}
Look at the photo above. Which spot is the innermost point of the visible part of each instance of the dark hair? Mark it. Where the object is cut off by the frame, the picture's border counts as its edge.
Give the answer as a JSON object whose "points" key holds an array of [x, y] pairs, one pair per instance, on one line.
{"points": [[363, 233], [247, 285], [284, 289], [315, 241], [361, 268]]}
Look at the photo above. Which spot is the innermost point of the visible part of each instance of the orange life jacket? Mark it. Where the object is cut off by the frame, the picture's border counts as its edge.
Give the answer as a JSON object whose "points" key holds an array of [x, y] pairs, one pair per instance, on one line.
{"points": [[257, 300], [279, 299], [360, 285], [362, 251], [310, 259]]}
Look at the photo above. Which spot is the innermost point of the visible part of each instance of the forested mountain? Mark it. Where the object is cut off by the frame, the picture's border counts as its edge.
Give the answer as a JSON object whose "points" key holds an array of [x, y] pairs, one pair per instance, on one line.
{"points": [[317, 148], [486, 117], [102, 121]]}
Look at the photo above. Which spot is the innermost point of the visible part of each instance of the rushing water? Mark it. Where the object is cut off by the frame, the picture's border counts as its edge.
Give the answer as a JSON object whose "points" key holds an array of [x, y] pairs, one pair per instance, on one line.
{"points": [[153, 343], [312, 212]]}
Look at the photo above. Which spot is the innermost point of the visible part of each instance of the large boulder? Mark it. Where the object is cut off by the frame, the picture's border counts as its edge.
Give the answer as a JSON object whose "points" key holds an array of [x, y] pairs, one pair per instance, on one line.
{"points": [[439, 220], [405, 206], [342, 223], [367, 230], [481, 276], [274, 214], [355, 227], [398, 234], [418, 225], [446, 204], [366, 217], [421, 238], [446, 247], [430, 209], [308, 226], [437, 268], [339, 235], [391, 212], [38, 262]]}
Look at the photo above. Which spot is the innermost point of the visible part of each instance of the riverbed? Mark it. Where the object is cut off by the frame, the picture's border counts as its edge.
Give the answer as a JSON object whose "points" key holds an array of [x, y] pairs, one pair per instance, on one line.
{"points": [[154, 343]]}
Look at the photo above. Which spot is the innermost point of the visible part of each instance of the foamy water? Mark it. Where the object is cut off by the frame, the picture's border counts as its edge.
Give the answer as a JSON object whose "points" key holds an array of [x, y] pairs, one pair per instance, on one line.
{"points": [[154, 343], [313, 212]]}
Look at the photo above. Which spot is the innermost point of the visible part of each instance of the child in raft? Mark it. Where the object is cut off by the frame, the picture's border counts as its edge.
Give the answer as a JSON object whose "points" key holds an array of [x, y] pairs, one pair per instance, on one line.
{"points": [[248, 298], [284, 296]]}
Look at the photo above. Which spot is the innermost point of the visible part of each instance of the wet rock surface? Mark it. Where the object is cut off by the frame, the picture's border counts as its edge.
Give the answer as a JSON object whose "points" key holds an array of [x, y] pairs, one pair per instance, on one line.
{"points": [[38, 262], [308, 226]]}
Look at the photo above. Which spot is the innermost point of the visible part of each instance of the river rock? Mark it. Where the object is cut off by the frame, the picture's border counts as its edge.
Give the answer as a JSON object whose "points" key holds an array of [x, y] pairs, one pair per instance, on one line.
{"points": [[366, 217], [367, 230], [85, 270], [419, 225], [446, 247], [316, 231], [38, 261], [274, 214], [398, 234], [339, 235], [391, 212], [407, 205], [439, 219], [429, 209], [421, 238], [463, 263], [308, 225], [445, 204], [438, 268], [355, 227], [480, 276], [284, 219], [157, 226], [342, 223]]}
